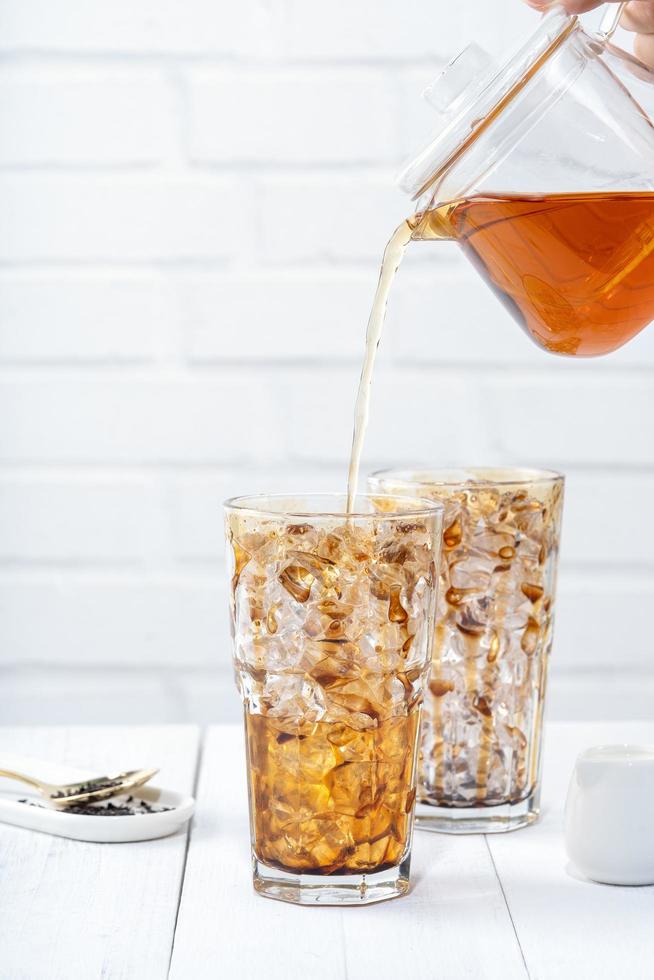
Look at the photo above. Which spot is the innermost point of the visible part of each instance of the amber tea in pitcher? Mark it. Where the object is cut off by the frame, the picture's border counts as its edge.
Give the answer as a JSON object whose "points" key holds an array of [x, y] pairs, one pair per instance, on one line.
{"points": [[575, 270], [543, 172]]}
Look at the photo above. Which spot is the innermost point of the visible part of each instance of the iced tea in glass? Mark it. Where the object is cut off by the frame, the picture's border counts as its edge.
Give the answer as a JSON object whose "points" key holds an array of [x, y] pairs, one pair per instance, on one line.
{"points": [[332, 615], [482, 724]]}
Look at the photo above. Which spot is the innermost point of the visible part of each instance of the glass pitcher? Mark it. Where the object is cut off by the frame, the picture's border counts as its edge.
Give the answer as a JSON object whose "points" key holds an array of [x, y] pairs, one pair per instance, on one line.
{"points": [[543, 172]]}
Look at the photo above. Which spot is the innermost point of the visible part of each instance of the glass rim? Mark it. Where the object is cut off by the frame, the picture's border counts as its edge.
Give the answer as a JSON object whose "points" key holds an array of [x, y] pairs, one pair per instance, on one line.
{"points": [[627, 753], [508, 476], [248, 504]]}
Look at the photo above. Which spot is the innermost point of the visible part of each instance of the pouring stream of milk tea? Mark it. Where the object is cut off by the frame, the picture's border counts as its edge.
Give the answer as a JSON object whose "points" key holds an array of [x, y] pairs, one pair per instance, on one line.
{"points": [[393, 255]]}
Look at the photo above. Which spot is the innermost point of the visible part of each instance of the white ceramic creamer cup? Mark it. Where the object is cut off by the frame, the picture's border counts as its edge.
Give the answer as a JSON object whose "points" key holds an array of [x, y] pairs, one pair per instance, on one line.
{"points": [[609, 814]]}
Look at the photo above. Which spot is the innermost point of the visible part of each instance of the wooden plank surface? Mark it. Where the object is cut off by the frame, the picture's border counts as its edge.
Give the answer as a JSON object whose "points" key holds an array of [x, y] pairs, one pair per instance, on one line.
{"points": [[71, 910], [570, 928], [453, 924]]}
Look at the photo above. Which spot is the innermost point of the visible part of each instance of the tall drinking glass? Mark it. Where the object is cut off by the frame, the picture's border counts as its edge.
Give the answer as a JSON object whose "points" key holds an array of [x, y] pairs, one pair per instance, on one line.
{"points": [[332, 617], [482, 726]]}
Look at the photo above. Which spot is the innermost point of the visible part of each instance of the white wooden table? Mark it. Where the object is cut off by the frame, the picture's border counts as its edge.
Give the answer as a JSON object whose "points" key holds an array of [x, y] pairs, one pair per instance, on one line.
{"points": [[502, 906]]}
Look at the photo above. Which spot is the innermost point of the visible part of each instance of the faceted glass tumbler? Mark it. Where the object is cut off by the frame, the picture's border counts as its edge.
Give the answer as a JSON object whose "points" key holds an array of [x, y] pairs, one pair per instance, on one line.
{"points": [[332, 618], [479, 768]]}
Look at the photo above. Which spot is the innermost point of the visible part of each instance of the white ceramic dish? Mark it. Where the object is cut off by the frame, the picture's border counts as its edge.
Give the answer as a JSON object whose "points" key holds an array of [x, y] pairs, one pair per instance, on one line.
{"points": [[609, 814], [99, 829]]}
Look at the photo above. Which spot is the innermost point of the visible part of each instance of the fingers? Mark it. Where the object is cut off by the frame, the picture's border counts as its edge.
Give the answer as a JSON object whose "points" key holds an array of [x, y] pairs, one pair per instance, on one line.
{"points": [[572, 6], [644, 49], [581, 6], [639, 17], [542, 5]]}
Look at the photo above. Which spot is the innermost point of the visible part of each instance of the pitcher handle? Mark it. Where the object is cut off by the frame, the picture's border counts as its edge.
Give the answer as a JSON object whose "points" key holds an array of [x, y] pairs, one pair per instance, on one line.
{"points": [[610, 21]]}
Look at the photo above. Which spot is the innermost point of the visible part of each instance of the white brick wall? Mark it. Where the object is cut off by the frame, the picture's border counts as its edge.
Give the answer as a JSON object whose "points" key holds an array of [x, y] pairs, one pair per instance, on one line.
{"points": [[194, 198], [122, 218], [295, 118], [85, 116]]}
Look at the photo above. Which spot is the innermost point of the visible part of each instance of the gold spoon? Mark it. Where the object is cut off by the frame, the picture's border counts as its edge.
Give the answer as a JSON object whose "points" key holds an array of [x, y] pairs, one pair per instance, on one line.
{"points": [[87, 791]]}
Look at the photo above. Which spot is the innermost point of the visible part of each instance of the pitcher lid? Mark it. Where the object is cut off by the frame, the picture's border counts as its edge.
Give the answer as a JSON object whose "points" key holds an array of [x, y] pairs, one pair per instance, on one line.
{"points": [[472, 91]]}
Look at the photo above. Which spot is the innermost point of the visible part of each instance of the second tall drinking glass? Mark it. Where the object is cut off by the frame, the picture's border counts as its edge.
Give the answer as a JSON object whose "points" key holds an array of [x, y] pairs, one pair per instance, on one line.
{"points": [[481, 740]]}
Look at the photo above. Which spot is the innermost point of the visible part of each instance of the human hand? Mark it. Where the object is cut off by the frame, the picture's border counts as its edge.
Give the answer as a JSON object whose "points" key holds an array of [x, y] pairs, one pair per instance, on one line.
{"points": [[637, 17]]}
